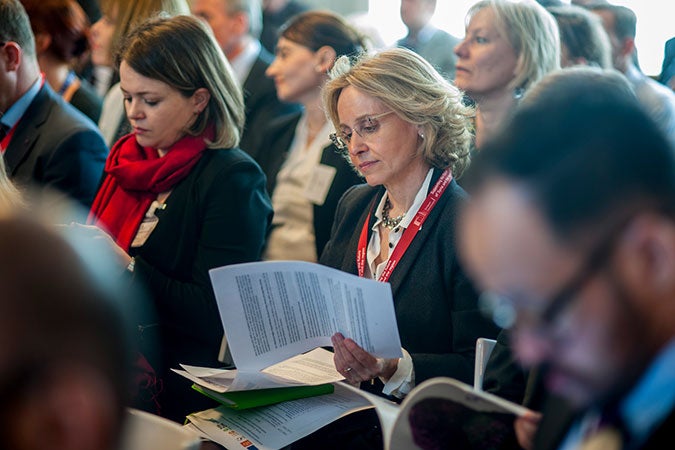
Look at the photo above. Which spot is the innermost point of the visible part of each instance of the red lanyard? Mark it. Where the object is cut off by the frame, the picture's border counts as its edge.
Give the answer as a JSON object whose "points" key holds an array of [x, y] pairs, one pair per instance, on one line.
{"points": [[7, 139], [409, 233]]}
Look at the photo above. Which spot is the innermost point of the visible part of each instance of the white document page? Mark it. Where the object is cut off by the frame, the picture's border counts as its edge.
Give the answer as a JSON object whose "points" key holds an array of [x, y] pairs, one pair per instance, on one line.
{"points": [[276, 426], [274, 310], [312, 368]]}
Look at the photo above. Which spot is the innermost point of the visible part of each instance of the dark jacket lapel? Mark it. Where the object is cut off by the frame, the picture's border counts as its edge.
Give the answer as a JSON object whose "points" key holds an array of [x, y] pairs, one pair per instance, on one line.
{"points": [[411, 255], [27, 130]]}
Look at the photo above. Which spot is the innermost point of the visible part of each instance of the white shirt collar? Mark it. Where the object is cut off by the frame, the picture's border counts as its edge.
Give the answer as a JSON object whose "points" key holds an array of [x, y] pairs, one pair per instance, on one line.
{"points": [[242, 64], [410, 214]]}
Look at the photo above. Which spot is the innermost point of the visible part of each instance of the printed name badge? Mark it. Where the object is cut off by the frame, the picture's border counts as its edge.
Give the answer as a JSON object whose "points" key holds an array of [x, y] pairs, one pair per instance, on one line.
{"points": [[147, 226], [316, 188]]}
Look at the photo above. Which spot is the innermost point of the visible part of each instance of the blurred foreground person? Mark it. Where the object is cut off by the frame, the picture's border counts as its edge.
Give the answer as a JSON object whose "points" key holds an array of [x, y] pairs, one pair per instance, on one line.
{"points": [[574, 236], [64, 357]]}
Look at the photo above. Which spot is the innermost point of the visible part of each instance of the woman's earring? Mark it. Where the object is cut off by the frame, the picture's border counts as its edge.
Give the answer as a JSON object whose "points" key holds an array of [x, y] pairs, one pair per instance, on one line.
{"points": [[518, 93], [420, 134]]}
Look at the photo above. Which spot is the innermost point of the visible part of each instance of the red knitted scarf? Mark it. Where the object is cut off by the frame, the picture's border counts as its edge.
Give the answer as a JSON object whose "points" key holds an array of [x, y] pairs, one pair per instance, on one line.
{"points": [[134, 177]]}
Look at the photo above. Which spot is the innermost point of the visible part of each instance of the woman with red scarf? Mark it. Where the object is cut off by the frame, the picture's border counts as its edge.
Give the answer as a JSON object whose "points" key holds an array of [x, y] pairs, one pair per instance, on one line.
{"points": [[178, 198]]}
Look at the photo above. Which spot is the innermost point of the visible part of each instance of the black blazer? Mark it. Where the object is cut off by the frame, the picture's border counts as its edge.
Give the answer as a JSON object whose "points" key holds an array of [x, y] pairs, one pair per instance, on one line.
{"points": [[218, 215], [276, 145], [261, 104], [436, 310], [87, 100], [56, 146]]}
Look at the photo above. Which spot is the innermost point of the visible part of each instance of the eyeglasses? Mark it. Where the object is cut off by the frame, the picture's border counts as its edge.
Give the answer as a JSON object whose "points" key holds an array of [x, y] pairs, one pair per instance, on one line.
{"points": [[365, 127], [504, 310]]}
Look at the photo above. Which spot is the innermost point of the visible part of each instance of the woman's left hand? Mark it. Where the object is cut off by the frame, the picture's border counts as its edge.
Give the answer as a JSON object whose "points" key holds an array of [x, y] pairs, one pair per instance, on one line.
{"points": [[356, 364]]}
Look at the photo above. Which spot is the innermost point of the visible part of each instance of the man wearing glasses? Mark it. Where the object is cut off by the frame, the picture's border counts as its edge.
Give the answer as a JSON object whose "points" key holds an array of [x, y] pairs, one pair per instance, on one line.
{"points": [[572, 232]]}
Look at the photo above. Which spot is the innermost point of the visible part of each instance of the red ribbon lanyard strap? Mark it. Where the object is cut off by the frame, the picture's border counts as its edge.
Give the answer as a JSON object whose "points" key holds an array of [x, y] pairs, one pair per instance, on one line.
{"points": [[409, 233]]}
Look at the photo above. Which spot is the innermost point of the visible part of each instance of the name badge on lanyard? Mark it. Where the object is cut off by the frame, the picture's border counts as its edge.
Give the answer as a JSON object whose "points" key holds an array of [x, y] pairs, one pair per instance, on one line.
{"points": [[408, 235]]}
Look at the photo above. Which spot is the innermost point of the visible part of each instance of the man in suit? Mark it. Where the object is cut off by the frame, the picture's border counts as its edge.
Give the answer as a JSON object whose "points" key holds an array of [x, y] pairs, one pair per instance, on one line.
{"points": [[620, 24], [275, 14], [572, 232], [45, 140], [236, 25], [434, 45]]}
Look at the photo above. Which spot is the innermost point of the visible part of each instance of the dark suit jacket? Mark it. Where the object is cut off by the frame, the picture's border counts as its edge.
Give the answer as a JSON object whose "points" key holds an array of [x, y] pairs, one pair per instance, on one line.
{"points": [[88, 101], [55, 145], [218, 215], [277, 143], [261, 103], [438, 51], [438, 318]]}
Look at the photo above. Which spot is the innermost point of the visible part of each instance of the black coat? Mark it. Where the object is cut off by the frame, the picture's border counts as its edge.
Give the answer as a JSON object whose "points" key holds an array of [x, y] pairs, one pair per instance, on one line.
{"points": [[218, 215], [261, 104], [436, 305]]}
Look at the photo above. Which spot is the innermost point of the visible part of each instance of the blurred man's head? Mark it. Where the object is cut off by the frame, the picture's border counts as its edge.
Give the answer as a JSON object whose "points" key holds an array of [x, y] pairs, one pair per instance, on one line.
{"points": [[620, 24], [415, 14], [63, 346], [572, 230], [233, 22]]}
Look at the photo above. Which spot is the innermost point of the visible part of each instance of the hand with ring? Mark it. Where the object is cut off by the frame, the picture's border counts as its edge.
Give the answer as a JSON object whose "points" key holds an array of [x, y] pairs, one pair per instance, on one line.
{"points": [[356, 364]]}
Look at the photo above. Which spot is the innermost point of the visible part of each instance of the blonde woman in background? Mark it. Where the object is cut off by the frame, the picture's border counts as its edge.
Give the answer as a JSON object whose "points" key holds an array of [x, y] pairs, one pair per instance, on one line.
{"points": [[508, 46], [117, 19]]}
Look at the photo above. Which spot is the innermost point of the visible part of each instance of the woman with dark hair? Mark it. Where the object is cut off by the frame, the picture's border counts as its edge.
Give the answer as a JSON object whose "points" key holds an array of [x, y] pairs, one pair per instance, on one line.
{"points": [[305, 174], [179, 198], [61, 30]]}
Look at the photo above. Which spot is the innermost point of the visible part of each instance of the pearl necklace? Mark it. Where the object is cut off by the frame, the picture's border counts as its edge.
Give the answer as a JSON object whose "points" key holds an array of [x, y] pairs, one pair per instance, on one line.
{"points": [[390, 222]]}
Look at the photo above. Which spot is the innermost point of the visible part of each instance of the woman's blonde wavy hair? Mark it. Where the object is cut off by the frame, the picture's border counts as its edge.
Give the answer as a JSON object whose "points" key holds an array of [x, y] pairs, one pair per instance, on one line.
{"points": [[417, 93], [533, 34]]}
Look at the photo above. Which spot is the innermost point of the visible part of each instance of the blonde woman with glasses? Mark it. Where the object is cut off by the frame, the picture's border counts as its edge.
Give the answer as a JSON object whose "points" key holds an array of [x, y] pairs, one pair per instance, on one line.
{"points": [[405, 129]]}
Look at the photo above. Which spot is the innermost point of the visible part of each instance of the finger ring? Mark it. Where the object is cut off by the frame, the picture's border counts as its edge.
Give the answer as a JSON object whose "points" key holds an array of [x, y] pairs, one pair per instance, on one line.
{"points": [[348, 369]]}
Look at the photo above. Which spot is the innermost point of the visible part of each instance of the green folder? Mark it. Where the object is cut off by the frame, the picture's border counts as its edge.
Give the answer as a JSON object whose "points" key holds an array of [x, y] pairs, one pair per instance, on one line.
{"points": [[262, 397]]}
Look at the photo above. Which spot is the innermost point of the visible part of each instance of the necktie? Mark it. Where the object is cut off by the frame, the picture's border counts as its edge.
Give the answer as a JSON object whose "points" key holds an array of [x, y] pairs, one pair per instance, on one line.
{"points": [[4, 129]]}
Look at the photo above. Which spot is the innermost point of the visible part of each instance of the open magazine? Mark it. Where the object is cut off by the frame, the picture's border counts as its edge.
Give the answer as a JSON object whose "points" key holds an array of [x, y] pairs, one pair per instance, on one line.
{"points": [[437, 413]]}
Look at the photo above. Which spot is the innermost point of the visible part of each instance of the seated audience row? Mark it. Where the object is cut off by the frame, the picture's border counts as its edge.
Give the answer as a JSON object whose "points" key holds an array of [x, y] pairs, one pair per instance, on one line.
{"points": [[178, 197]]}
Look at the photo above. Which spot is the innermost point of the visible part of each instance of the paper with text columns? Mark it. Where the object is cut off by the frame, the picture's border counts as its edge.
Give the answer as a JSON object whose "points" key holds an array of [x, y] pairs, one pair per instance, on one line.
{"points": [[274, 310]]}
